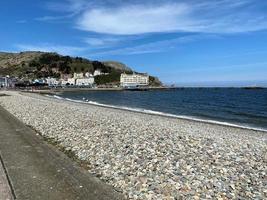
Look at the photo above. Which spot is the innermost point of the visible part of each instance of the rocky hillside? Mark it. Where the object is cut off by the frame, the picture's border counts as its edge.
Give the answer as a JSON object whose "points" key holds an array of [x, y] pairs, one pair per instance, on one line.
{"points": [[15, 59], [117, 65], [40, 64], [31, 65]]}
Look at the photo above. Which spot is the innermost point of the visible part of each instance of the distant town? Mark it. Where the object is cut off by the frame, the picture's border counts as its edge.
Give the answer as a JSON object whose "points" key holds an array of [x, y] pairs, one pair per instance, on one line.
{"points": [[44, 70], [76, 80]]}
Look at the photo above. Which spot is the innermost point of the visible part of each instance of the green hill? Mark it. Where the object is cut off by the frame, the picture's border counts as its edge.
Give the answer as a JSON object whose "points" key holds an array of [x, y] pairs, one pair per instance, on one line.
{"points": [[31, 65]]}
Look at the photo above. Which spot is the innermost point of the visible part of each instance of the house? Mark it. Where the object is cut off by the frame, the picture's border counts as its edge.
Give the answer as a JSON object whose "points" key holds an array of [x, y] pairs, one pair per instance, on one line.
{"points": [[65, 76], [85, 81], [2, 82], [52, 81], [41, 81], [97, 72], [78, 75], [71, 81], [6, 82], [87, 75], [79, 79], [63, 82], [134, 80]]}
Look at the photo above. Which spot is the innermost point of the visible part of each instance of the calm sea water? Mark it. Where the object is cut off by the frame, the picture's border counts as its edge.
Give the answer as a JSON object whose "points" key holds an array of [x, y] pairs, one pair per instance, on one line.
{"points": [[229, 105]]}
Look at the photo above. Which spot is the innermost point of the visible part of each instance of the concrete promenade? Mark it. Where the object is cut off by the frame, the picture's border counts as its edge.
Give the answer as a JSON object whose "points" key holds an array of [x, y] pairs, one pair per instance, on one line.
{"points": [[5, 190], [31, 169]]}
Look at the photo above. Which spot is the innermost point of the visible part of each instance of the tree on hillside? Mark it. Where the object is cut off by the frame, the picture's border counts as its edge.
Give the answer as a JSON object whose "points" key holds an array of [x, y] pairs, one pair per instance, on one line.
{"points": [[48, 58], [79, 59], [82, 69], [113, 77], [67, 59], [64, 67], [34, 64], [101, 66]]}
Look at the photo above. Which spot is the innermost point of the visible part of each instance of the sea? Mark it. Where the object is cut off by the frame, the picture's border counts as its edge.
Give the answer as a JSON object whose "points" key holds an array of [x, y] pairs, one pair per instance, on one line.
{"points": [[229, 106]]}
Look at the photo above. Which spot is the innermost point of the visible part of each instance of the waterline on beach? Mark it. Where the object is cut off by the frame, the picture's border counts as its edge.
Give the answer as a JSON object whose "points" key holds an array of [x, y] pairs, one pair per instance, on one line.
{"points": [[153, 112]]}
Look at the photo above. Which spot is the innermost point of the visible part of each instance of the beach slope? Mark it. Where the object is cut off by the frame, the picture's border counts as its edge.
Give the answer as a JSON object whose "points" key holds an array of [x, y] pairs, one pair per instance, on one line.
{"points": [[149, 156]]}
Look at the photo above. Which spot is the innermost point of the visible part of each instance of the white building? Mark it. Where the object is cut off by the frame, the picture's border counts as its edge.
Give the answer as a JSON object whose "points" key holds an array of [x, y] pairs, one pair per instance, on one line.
{"points": [[134, 80], [52, 82], [71, 81], [5, 81], [78, 75], [97, 72], [63, 82], [41, 81], [88, 75], [85, 81]]}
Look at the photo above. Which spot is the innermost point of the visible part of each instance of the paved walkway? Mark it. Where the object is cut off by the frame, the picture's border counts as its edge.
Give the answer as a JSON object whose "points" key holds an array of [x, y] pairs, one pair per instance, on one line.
{"points": [[5, 190], [38, 171]]}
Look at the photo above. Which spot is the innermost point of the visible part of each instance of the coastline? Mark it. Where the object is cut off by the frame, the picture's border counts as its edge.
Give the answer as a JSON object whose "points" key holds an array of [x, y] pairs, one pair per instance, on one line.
{"points": [[151, 156], [60, 90], [157, 113]]}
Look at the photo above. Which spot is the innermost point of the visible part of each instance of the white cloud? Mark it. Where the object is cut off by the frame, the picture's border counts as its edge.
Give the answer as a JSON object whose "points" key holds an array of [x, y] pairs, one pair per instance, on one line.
{"points": [[53, 18], [68, 9], [110, 41], [64, 50], [156, 47], [223, 16], [133, 19], [67, 6], [104, 42]]}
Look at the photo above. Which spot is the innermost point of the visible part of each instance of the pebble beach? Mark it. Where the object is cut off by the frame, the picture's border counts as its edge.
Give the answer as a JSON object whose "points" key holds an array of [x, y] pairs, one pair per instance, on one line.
{"points": [[148, 156]]}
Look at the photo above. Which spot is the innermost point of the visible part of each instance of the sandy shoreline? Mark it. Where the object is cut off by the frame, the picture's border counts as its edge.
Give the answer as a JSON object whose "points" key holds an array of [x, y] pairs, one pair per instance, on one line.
{"points": [[148, 156]]}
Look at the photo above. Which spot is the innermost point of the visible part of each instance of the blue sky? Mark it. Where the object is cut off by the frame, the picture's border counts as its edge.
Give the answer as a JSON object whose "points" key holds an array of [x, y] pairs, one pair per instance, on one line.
{"points": [[188, 42]]}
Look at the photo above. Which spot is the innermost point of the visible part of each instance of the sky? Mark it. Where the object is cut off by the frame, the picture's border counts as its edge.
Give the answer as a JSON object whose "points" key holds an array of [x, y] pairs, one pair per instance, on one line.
{"points": [[186, 42]]}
